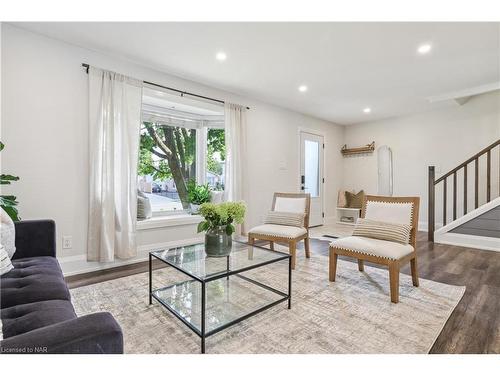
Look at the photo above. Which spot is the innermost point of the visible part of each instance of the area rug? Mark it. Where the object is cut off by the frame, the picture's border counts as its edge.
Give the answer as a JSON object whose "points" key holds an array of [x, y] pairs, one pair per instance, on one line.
{"points": [[352, 315]]}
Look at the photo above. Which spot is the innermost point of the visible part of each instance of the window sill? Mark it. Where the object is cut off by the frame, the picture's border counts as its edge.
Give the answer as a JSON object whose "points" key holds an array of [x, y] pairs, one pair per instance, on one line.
{"points": [[168, 221]]}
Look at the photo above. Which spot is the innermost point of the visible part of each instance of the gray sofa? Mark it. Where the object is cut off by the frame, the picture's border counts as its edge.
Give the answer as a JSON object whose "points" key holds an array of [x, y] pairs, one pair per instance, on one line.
{"points": [[36, 310]]}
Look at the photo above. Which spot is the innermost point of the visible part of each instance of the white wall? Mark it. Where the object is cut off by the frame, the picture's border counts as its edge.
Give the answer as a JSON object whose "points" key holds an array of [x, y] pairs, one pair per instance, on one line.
{"points": [[44, 126], [443, 138]]}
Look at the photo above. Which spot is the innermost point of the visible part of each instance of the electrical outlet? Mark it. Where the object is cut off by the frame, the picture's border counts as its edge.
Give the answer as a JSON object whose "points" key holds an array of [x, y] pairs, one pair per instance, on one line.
{"points": [[67, 242]]}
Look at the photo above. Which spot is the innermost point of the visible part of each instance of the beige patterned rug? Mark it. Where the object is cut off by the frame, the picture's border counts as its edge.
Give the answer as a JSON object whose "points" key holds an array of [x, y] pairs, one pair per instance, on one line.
{"points": [[352, 315]]}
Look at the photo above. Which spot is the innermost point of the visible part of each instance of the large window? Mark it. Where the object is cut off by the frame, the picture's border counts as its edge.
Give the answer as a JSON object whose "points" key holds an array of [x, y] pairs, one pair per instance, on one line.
{"points": [[181, 140]]}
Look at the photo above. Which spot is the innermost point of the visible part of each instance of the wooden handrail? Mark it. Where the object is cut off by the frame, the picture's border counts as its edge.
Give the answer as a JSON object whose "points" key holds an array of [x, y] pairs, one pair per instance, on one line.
{"points": [[433, 182], [480, 153]]}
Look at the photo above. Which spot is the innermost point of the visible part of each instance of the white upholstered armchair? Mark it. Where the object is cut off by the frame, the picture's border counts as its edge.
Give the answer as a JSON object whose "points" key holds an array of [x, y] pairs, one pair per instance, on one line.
{"points": [[282, 228], [386, 235]]}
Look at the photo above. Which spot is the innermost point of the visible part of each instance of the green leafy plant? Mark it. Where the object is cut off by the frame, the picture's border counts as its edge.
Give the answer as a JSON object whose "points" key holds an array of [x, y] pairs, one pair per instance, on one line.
{"points": [[221, 214], [198, 194], [8, 202]]}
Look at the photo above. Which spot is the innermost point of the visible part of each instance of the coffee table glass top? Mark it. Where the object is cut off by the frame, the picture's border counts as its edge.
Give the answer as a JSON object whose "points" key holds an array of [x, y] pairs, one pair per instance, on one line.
{"points": [[227, 300], [194, 261]]}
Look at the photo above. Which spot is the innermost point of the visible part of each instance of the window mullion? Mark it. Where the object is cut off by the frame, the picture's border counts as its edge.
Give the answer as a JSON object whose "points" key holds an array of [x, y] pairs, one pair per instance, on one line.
{"points": [[201, 154]]}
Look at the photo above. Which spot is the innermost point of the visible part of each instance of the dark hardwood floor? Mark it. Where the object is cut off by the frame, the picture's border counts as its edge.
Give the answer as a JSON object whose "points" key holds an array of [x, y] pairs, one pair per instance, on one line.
{"points": [[474, 326]]}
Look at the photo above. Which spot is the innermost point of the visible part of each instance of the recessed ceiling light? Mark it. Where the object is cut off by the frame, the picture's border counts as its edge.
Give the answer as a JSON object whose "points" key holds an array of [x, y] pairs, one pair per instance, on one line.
{"points": [[424, 48], [302, 88], [367, 110], [221, 56]]}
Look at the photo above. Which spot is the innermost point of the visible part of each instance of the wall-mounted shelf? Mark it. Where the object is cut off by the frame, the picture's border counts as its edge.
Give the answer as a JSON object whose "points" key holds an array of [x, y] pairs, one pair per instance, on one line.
{"points": [[368, 149]]}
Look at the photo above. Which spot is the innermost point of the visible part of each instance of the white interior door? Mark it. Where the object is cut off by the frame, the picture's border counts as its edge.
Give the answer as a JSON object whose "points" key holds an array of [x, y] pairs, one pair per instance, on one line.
{"points": [[311, 174]]}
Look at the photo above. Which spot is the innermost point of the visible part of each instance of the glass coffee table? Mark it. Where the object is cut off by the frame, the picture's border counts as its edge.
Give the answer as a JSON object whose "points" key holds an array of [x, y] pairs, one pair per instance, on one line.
{"points": [[217, 295]]}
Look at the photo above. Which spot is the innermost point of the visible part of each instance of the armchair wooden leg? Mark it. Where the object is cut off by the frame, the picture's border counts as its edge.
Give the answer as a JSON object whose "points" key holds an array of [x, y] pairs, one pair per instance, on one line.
{"points": [[394, 281], [414, 271], [271, 245], [251, 241], [333, 264], [292, 245], [361, 265], [306, 246]]}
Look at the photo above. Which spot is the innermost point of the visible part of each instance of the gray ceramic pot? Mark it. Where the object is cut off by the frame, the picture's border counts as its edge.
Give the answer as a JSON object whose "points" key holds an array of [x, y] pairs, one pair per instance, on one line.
{"points": [[217, 242]]}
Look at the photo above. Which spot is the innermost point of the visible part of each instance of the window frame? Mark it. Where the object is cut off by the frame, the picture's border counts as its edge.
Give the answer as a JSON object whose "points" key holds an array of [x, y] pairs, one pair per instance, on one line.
{"points": [[201, 148]]}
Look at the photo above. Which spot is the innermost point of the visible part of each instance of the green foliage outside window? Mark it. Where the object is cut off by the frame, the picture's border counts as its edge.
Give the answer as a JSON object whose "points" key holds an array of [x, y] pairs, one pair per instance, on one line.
{"points": [[174, 150]]}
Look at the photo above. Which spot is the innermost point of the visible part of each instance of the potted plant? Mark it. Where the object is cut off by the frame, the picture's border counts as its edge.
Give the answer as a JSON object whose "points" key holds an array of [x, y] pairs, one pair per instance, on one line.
{"points": [[8, 202], [197, 195], [219, 225]]}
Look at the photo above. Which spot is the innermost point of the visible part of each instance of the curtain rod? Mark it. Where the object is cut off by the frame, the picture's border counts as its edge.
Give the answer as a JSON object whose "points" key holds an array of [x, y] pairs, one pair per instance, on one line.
{"points": [[87, 66]]}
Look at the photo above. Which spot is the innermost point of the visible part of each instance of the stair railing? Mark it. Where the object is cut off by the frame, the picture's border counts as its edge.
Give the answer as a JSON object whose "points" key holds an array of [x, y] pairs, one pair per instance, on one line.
{"points": [[444, 179]]}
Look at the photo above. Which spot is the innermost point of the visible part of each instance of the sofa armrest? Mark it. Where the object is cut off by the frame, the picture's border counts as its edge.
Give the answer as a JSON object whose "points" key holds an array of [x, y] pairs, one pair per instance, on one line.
{"points": [[35, 238], [90, 334]]}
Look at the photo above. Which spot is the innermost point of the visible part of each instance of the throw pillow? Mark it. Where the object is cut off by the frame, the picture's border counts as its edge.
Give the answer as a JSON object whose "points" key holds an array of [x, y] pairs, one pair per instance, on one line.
{"points": [[8, 233], [291, 219], [5, 263], [144, 210], [341, 199], [381, 230], [355, 200]]}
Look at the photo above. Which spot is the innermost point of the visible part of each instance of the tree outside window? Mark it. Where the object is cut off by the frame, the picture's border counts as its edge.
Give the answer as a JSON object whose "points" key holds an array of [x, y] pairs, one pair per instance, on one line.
{"points": [[168, 159]]}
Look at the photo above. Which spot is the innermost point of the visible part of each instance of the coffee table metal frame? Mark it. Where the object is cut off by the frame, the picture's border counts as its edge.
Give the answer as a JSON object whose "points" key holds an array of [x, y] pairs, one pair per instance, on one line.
{"points": [[203, 334]]}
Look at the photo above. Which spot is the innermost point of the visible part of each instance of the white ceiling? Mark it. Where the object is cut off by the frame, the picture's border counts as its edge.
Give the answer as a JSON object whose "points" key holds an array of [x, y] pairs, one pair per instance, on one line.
{"points": [[346, 66]]}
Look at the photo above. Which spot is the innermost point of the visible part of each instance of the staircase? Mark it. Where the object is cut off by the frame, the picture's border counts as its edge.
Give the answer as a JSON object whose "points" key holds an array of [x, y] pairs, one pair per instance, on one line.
{"points": [[470, 206]]}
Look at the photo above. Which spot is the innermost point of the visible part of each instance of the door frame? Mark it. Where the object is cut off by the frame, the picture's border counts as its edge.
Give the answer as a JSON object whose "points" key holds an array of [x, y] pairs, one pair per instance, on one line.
{"points": [[323, 184]]}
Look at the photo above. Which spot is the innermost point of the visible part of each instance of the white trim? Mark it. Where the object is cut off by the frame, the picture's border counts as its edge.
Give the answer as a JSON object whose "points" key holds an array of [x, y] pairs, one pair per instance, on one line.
{"points": [[467, 240], [468, 217], [465, 94], [201, 155], [77, 264], [168, 221], [323, 169]]}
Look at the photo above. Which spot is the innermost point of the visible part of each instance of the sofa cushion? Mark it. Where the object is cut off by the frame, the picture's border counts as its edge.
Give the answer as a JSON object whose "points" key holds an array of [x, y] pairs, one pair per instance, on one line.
{"points": [[27, 317], [282, 231], [32, 266], [371, 246], [32, 280]]}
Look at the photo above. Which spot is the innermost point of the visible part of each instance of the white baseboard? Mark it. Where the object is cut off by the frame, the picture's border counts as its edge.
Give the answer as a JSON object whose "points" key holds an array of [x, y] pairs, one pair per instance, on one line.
{"points": [[467, 240], [78, 264]]}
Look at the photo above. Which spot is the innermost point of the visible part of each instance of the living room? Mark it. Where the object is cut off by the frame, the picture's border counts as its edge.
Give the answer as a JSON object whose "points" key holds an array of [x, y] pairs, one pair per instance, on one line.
{"points": [[155, 166]]}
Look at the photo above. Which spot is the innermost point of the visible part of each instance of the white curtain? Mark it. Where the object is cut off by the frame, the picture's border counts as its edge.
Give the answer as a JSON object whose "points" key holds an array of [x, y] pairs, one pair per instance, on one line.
{"points": [[114, 126], [235, 123], [235, 128]]}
